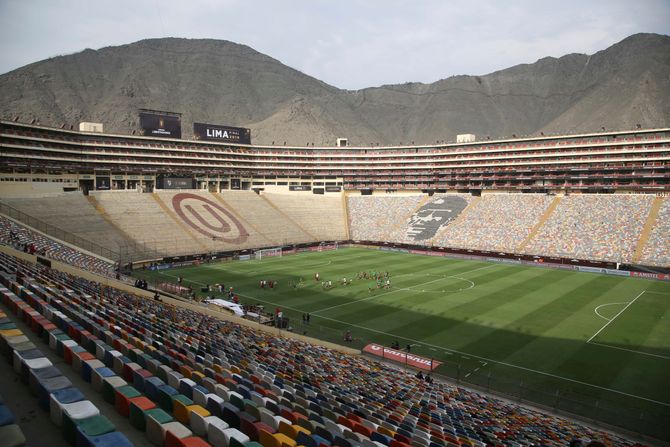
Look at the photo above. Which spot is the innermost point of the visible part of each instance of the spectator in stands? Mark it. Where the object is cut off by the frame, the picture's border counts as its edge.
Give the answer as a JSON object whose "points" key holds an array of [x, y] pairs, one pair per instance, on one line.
{"points": [[347, 336]]}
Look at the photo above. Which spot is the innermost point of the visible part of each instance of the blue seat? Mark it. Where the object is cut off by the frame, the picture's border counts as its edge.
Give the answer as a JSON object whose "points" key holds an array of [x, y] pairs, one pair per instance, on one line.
{"points": [[43, 373], [376, 436], [325, 434], [50, 385], [306, 440], [151, 386], [6, 416], [229, 413], [215, 405], [186, 387], [113, 439], [342, 442], [319, 440], [68, 395]]}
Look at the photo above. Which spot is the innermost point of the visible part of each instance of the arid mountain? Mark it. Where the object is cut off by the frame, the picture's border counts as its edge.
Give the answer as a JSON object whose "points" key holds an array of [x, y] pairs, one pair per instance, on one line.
{"points": [[221, 82]]}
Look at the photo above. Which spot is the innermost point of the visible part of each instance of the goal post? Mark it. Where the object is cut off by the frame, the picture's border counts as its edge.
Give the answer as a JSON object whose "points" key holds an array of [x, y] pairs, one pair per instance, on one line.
{"points": [[327, 246], [268, 252]]}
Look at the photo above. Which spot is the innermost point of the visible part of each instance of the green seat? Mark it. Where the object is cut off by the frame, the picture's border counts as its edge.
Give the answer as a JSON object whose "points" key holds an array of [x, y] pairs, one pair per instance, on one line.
{"points": [[159, 415], [253, 444], [109, 385], [12, 436], [96, 426], [237, 401], [234, 442]]}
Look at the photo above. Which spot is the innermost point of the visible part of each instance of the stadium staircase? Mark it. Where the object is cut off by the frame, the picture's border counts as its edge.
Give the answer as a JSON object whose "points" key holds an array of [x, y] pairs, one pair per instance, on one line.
{"points": [[648, 226], [289, 218], [440, 234], [178, 221], [547, 214], [318, 215], [275, 225], [133, 252], [345, 220]]}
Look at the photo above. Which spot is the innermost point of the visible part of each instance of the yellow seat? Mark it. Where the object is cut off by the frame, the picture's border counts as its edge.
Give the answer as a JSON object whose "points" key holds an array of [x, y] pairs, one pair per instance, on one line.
{"points": [[180, 411], [266, 439], [285, 441], [197, 376], [6, 333], [386, 431]]}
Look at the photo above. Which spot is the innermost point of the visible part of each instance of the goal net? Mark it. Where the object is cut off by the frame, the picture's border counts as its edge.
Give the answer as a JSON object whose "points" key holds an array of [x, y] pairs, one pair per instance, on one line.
{"points": [[267, 252], [323, 246]]}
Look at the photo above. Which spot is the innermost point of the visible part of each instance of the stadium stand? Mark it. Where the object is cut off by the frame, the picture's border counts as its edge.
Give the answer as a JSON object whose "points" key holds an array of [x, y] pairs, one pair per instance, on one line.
{"points": [[139, 226], [657, 249], [142, 219], [592, 226], [24, 239], [275, 226], [371, 217], [181, 377], [498, 222], [73, 213], [320, 216], [586, 226]]}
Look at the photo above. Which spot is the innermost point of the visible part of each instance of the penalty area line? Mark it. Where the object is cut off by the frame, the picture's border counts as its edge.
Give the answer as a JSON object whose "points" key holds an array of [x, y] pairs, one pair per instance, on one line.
{"points": [[604, 345], [615, 317]]}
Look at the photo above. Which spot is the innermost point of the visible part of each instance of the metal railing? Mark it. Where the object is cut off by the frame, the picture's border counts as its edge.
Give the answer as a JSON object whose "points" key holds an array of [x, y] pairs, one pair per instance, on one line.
{"points": [[58, 233]]}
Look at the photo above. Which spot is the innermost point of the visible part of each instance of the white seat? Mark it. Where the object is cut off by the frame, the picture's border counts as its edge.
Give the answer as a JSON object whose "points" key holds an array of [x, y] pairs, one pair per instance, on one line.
{"points": [[231, 433], [215, 434], [156, 432], [173, 379], [79, 410], [199, 424]]}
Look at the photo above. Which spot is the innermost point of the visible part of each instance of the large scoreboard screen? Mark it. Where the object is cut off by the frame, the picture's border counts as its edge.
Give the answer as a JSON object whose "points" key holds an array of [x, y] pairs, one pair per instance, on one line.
{"points": [[160, 125]]}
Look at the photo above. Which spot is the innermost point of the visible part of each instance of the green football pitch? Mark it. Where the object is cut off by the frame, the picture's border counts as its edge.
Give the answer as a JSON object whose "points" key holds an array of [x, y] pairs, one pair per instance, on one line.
{"points": [[589, 344]]}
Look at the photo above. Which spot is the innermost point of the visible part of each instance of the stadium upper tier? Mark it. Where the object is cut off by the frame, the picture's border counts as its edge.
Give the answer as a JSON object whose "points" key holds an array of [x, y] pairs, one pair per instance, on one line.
{"points": [[636, 160]]}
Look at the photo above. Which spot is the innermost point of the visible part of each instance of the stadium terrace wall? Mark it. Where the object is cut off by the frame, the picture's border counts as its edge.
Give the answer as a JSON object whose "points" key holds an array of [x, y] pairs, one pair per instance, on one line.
{"points": [[625, 161], [582, 265]]}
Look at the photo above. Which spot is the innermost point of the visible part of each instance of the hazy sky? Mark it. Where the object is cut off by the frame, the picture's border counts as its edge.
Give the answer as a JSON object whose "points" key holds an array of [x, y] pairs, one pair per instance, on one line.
{"points": [[347, 43]]}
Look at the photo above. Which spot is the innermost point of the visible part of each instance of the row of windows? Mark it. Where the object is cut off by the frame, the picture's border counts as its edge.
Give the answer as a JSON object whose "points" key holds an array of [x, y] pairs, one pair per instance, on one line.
{"points": [[321, 162], [36, 180]]}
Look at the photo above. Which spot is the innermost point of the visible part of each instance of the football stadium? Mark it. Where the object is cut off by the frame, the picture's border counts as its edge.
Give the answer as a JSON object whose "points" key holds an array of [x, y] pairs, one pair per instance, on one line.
{"points": [[214, 292]]}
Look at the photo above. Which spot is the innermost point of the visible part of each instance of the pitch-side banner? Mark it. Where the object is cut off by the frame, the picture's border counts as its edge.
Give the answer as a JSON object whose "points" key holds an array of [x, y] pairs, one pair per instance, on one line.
{"points": [[402, 357], [226, 134]]}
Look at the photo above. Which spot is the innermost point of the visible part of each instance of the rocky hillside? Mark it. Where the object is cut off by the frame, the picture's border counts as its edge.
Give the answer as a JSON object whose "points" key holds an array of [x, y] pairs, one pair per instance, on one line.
{"points": [[221, 82]]}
